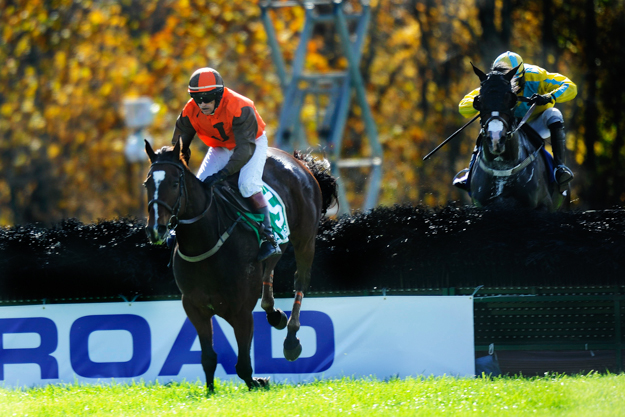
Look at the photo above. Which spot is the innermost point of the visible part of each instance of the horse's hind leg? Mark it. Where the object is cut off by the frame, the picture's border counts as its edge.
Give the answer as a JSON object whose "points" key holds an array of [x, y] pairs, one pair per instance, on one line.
{"points": [[202, 321], [275, 316], [304, 258]]}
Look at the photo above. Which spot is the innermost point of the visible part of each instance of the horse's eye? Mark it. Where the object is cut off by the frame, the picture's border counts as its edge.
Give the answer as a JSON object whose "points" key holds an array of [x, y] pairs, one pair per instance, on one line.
{"points": [[176, 184]]}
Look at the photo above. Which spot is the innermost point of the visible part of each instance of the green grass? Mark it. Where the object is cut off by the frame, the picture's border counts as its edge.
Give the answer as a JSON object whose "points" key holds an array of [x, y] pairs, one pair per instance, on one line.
{"points": [[557, 395]]}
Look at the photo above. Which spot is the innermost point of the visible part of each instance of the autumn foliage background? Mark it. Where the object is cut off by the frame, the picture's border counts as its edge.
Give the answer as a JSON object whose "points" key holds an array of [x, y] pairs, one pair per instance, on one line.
{"points": [[67, 66]]}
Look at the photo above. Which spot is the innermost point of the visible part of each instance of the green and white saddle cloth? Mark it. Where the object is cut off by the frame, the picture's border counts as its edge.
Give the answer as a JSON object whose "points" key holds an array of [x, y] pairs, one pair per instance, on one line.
{"points": [[277, 210]]}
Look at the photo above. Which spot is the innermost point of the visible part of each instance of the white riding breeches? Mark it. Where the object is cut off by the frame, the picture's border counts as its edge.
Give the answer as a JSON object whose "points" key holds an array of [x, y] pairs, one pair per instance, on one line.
{"points": [[546, 118], [251, 176]]}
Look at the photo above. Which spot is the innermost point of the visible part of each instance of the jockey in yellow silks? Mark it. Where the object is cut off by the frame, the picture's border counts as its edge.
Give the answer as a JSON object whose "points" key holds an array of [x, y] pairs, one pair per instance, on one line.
{"points": [[546, 89]]}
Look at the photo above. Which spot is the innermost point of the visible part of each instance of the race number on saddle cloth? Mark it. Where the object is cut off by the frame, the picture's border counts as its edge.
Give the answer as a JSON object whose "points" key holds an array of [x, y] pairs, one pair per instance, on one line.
{"points": [[279, 222]]}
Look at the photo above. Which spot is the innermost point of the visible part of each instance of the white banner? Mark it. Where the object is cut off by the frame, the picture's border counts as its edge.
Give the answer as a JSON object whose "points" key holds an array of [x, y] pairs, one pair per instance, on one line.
{"points": [[342, 336]]}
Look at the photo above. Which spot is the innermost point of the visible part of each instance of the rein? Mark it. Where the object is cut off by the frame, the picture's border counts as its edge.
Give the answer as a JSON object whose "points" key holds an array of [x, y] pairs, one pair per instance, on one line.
{"points": [[222, 239], [174, 221], [225, 235], [531, 158], [508, 172]]}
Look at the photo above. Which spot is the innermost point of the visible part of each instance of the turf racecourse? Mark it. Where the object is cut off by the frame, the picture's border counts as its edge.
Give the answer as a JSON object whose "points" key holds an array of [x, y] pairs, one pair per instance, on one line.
{"points": [[551, 395]]}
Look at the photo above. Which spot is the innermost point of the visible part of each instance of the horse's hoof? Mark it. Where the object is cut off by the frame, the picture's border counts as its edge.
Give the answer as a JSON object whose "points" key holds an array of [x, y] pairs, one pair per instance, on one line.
{"points": [[291, 353], [277, 319], [259, 383]]}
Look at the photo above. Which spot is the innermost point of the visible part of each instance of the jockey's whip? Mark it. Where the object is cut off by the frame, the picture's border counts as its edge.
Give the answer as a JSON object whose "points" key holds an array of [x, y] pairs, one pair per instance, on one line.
{"points": [[450, 138]]}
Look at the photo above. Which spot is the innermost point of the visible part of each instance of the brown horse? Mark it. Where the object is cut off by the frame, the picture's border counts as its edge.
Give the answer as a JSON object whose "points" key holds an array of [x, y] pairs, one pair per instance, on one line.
{"points": [[214, 261]]}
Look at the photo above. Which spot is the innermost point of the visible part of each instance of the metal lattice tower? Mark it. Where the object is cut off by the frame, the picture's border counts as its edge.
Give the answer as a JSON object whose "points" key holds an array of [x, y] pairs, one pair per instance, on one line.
{"points": [[337, 87]]}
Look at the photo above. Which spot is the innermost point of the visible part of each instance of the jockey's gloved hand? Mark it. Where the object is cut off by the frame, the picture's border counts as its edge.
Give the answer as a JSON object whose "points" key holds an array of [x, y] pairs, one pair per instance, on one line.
{"points": [[541, 100], [215, 178]]}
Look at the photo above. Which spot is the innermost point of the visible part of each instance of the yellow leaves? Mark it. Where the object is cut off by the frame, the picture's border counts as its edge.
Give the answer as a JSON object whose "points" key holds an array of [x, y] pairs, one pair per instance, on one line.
{"points": [[60, 59], [240, 48], [97, 17], [106, 89], [7, 109], [36, 122], [99, 55], [81, 137], [409, 35], [23, 46], [53, 150]]}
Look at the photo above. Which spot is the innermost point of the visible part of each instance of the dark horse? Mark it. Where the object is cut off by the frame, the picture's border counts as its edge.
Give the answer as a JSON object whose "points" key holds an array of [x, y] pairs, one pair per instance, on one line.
{"points": [[510, 169], [214, 262]]}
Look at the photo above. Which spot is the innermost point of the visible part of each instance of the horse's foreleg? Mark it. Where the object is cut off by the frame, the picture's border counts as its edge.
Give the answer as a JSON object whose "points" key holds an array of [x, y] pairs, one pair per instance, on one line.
{"points": [[244, 330], [304, 259], [275, 316], [202, 321]]}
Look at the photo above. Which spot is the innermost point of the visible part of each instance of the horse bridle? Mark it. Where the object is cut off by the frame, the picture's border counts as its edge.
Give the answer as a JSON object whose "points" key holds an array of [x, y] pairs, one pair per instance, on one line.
{"points": [[509, 132], [174, 220], [508, 127]]}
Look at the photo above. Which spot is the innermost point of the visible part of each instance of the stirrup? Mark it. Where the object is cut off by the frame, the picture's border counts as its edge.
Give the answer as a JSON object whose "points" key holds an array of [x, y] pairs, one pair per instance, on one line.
{"points": [[563, 174], [460, 180], [268, 249]]}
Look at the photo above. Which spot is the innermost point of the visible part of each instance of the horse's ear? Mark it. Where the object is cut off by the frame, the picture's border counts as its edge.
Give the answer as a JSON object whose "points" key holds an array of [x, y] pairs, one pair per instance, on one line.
{"points": [[178, 146], [149, 151], [510, 74], [478, 72]]}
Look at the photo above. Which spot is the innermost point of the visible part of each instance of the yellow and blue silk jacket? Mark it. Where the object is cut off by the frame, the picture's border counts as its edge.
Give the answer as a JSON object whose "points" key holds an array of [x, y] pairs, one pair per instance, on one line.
{"points": [[537, 81]]}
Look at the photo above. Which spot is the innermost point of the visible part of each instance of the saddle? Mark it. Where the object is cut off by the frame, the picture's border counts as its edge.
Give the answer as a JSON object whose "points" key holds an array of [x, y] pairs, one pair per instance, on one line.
{"points": [[232, 204]]}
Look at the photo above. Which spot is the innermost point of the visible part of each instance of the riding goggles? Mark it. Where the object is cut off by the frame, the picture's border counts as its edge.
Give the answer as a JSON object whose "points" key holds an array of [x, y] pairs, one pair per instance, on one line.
{"points": [[207, 96]]}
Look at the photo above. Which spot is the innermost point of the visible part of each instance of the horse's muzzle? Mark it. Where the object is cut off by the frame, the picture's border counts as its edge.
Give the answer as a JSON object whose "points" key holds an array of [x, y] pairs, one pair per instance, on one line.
{"points": [[157, 234], [497, 145]]}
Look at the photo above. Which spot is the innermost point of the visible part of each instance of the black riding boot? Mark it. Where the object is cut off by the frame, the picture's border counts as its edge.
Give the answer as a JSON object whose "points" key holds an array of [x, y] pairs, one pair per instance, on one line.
{"points": [[462, 177], [269, 246], [558, 144]]}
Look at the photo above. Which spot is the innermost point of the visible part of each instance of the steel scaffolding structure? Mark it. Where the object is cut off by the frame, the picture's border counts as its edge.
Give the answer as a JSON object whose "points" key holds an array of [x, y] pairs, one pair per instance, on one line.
{"points": [[337, 86]]}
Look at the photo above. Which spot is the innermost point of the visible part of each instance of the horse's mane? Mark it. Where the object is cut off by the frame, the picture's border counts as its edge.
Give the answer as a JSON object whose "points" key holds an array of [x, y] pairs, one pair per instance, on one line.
{"points": [[166, 153], [320, 168]]}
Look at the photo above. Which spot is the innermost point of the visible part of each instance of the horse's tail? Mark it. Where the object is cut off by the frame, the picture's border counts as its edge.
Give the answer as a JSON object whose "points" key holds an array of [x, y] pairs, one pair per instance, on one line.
{"points": [[320, 168]]}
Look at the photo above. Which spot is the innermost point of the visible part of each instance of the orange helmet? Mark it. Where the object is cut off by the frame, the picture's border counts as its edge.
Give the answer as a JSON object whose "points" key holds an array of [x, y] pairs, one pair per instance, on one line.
{"points": [[206, 85]]}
